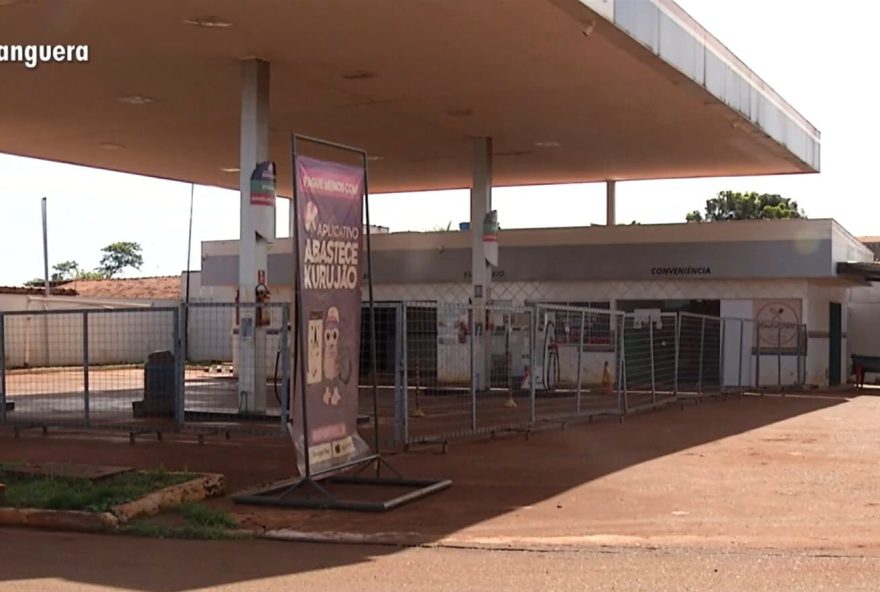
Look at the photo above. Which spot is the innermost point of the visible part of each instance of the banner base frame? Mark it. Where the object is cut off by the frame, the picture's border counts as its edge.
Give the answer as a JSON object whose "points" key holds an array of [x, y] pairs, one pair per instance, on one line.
{"points": [[277, 495]]}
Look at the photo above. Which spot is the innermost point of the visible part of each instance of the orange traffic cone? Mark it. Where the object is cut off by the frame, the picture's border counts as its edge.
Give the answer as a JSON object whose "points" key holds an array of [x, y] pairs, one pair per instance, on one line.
{"points": [[606, 380]]}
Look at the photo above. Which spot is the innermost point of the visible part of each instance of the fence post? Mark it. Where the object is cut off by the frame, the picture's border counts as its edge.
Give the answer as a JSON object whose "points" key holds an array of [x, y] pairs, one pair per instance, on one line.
{"points": [[284, 344], [721, 337], [179, 366], [677, 353], [702, 344], [802, 360], [622, 399], [85, 360], [653, 378], [473, 325], [757, 354], [2, 369], [533, 339], [580, 358], [779, 355], [399, 393], [742, 330]]}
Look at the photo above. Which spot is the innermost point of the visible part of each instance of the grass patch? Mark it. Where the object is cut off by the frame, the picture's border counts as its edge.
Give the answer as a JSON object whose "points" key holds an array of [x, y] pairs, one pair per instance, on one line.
{"points": [[70, 493], [202, 515], [11, 464], [191, 520]]}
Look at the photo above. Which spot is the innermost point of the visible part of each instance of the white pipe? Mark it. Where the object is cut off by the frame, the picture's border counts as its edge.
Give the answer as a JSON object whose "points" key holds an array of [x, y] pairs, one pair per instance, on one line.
{"points": [[78, 301], [45, 249], [27, 337], [46, 334]]}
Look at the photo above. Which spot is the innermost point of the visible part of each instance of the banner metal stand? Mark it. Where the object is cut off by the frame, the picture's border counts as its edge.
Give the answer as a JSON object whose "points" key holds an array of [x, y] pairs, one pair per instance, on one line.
{"points": [[308, 490]]}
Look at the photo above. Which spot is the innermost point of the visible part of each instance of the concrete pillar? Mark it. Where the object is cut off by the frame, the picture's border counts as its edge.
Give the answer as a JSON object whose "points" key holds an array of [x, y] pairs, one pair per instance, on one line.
{"points": [[257, 231], [610, 203], [481, 273]]}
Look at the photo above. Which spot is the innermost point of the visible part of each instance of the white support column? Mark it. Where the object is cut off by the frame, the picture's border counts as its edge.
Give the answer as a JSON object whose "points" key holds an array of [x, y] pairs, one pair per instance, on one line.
{"points": [[257, 231], [481, 273], [610, 203]]}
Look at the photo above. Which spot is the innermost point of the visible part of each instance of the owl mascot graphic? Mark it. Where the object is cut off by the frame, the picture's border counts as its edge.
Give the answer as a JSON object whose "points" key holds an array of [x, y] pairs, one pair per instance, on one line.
{"points": [[331, 358]]}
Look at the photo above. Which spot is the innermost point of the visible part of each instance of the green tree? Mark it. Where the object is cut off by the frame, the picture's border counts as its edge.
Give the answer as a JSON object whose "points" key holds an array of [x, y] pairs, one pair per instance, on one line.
{"points": [[447, 228], [95, 274], [118, 256], [65, 271], [734, 205]]}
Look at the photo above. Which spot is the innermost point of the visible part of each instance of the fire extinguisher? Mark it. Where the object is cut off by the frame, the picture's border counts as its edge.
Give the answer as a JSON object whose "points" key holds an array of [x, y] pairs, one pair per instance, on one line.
{"points": [[262, 300]]}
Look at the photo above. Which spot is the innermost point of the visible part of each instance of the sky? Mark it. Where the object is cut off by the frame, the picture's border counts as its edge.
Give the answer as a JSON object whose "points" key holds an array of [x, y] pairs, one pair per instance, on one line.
{"points": [[818, 55]]}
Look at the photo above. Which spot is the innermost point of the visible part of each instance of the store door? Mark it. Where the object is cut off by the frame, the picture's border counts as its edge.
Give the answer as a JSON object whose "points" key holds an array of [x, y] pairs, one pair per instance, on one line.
{"points": [[834, 343]]}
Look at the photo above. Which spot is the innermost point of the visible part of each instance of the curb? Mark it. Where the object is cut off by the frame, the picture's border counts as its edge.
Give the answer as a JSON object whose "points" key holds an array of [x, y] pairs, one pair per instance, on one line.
{"points": [[58, 519], [205, 485], [393, 539], [598, 543]]}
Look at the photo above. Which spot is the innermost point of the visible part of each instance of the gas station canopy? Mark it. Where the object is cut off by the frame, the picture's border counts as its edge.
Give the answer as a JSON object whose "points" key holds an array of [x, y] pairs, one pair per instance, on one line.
{"points": [[569, 90]]}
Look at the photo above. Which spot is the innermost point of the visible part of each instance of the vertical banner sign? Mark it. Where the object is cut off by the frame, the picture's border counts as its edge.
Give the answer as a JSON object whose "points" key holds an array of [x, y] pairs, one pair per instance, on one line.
{"points": [[329, 206], [263, 184]]}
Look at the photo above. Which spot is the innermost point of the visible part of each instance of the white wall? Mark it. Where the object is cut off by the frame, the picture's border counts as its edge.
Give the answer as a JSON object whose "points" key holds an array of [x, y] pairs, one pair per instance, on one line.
{"points": [[774, 370], [119, 331], [863, 326], [739, 336], [200, 293], [817, 319]]}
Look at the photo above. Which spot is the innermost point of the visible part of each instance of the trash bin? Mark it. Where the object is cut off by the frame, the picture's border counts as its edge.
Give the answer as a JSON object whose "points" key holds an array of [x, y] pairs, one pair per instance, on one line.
{"points": [[160, 386]]}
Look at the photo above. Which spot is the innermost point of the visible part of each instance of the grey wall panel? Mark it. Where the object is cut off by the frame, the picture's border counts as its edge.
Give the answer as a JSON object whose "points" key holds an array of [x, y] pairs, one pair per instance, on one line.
{"points": [[641, 19], [680, 49], [769, 259]]}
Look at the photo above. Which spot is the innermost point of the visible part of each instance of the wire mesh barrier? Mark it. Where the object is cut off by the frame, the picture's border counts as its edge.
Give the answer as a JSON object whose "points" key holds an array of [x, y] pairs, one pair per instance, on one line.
{"points": [[83, 367], [444, 370], [133, 369], [575, 362], [464, 370], [437, 366], [650, 342], [700, 356], [388, 359], [237, 372], [780, 354]]}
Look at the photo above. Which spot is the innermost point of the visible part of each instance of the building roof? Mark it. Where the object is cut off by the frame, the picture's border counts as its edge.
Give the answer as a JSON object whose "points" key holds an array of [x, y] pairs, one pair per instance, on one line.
{"points": [[868, 272], [36, 291], [570, 90], [146, 288], [870, 239]]}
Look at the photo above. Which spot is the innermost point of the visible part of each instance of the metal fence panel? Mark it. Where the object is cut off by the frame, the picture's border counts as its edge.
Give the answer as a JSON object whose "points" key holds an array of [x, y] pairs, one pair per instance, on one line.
{"points": [[576, 362], [700, 355], [503, 403], [651, 346], [44, 371], [119, 386], [213, 396], [388, 344], [444, 370], [80, 367], [439, 356]]}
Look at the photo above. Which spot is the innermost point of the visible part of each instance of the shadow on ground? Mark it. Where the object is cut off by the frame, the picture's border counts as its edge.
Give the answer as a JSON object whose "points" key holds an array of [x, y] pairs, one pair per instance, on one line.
{"points": [[491, 479]]}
